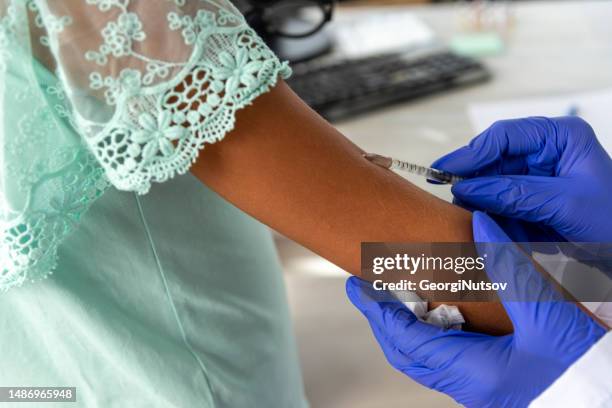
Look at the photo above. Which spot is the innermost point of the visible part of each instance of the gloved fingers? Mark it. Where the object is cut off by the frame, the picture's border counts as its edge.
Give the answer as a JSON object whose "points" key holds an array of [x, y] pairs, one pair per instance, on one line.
{"points": [[515, 165], [525, 232], [402, 336], [365, 298], [527, 293], [382, 316], [529, 198], [431, 378], [420, 374], [501, 148], [515, 229], [416, 365], [392, 354], [510, 165], [463, 205]]}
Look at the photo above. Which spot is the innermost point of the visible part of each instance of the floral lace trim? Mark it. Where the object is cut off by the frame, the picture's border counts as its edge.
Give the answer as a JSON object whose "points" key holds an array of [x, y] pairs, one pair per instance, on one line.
{"points": [[158, 133], [165, 112], [58, 185], [155, 133], [29, 245], [162, 143]]}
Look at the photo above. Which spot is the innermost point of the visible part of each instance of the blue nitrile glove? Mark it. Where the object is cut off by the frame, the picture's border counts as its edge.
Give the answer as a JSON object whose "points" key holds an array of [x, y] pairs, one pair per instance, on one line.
{"points": [[550, 171], [479, 370]]}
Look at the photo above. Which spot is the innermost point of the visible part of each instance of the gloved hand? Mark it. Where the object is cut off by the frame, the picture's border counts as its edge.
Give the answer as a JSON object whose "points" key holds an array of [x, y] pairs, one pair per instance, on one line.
{"points": [[551, 171], [479, 370]]}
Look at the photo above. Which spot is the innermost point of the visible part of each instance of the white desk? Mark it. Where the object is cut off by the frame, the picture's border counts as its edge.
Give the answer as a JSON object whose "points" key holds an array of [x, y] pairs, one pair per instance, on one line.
{"points": [[555, 48]]}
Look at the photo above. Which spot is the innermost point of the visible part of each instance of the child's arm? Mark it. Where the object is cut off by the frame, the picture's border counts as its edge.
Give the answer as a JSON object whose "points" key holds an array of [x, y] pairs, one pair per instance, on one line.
{"points": [[292, 170]]}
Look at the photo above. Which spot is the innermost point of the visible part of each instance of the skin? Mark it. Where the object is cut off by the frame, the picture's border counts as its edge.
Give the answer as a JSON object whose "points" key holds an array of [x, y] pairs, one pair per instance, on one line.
{"points": [[286, 166], [289, 168]]}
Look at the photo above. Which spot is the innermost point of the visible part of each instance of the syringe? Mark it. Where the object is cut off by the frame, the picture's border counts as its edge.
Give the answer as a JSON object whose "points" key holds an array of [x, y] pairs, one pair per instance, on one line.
{"points": [[431, 174]]}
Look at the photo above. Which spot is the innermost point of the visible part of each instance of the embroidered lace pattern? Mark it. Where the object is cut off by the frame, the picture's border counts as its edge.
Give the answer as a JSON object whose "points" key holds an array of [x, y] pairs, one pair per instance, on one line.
{"points": [[132, 106]]}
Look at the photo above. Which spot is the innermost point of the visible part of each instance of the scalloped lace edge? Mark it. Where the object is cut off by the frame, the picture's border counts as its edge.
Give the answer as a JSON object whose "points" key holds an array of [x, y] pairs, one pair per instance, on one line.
{"points": [[92, 185], [48, 262], [141, 184]]}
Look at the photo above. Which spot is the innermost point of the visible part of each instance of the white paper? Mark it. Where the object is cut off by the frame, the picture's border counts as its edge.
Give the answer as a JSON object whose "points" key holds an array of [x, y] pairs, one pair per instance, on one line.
{"points": [[443, 316], [360, 35]]}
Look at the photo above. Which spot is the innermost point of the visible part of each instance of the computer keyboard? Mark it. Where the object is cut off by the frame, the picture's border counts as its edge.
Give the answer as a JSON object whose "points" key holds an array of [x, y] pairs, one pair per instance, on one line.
{"points": [[343, 88]]}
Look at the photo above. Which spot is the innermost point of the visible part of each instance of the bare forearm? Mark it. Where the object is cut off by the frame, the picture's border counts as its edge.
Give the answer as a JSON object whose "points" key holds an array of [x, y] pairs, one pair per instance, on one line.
{"points": [[296, 173], [290, 169]]}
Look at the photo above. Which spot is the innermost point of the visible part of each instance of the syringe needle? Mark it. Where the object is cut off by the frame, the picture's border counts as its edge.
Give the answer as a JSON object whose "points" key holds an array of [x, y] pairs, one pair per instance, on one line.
{"points": [[429, 173]]}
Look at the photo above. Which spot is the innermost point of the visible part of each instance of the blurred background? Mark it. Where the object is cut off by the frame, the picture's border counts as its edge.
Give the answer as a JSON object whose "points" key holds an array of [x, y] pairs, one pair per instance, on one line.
{"points": [[416, 79]]}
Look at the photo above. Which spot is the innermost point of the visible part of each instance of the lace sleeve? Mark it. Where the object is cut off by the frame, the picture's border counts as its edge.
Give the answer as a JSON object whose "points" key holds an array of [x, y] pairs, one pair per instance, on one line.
{"points": [[167, 76], [119, 92]]}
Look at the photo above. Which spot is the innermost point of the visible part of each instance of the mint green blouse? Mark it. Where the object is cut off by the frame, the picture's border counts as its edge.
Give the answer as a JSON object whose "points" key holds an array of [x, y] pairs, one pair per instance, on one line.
{"points": [[155, 296]]}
